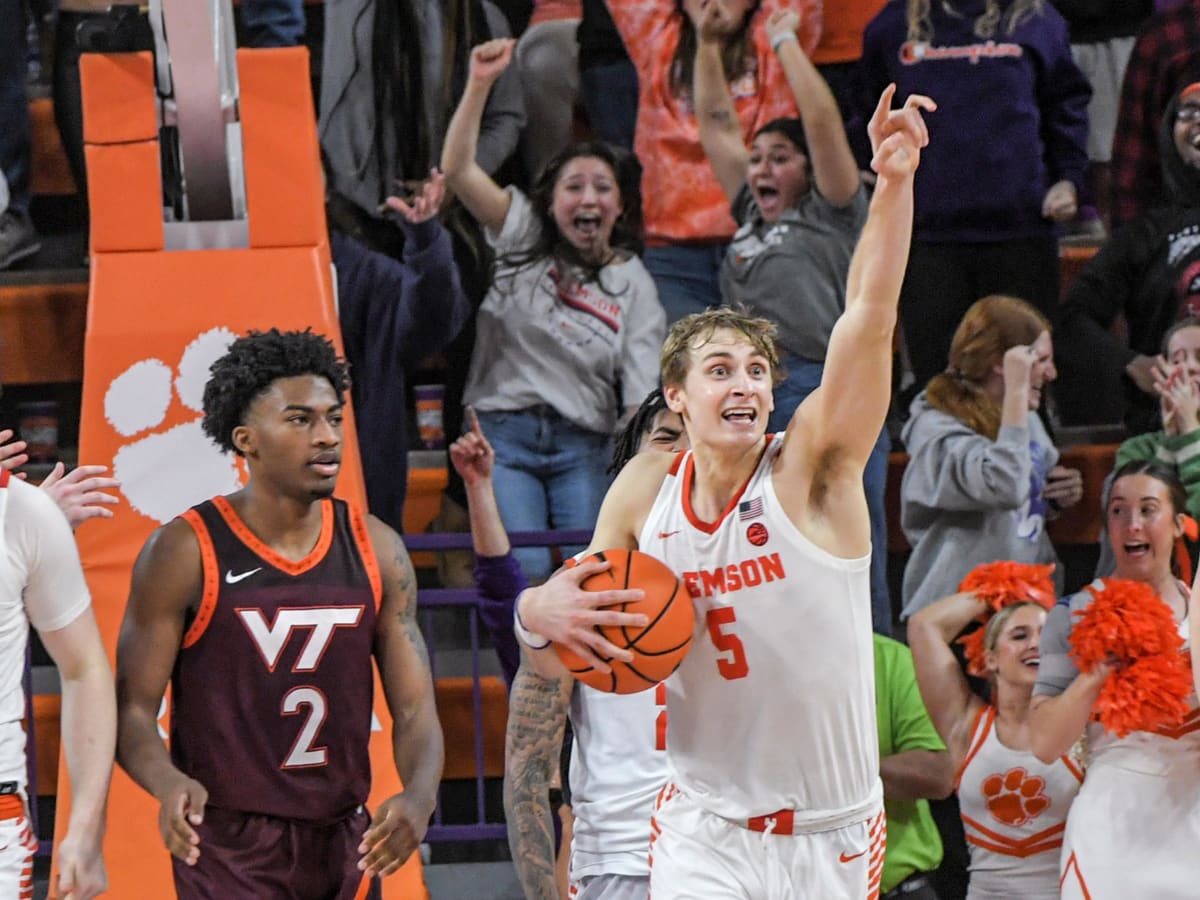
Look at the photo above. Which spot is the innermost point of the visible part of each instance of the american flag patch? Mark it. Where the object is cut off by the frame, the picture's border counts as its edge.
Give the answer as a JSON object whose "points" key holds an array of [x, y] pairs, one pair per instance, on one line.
{"points": [[750, 509]]}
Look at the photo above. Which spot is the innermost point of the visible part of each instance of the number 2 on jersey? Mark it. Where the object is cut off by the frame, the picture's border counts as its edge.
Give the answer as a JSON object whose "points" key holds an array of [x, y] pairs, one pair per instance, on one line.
{"points": [[304, 755], [734, 665]]}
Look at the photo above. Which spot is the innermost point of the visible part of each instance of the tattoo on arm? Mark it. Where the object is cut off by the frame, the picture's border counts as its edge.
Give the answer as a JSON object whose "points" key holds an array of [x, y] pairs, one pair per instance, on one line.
{"points": [[405, 588], [537, 713]]}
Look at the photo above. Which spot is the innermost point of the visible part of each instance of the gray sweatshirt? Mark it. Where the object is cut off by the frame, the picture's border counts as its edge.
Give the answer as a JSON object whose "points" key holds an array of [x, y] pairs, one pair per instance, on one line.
{"points": [[966, 500]]}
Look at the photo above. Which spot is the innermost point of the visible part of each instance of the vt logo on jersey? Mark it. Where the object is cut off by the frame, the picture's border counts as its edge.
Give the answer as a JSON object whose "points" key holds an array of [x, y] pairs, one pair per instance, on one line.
{"points": [[270, 639], [734, 577]]}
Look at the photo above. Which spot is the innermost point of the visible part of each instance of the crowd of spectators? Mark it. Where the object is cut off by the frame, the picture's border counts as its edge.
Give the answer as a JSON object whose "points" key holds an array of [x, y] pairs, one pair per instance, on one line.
{"points": [[537, 190]]}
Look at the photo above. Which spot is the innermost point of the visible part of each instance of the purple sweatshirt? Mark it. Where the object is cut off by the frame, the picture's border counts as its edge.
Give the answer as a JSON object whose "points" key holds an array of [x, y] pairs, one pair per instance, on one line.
{"points": [[499, 580], [1011, 118]]}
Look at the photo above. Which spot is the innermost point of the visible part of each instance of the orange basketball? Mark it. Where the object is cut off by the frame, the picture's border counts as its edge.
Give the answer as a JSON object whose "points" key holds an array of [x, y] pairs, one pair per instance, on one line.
{"points": [[660, 645]]}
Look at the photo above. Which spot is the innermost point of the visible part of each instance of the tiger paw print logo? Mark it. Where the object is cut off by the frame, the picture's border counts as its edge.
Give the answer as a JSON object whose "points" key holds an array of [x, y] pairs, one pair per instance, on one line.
{"points": [[165, 470], [1016, 797]]}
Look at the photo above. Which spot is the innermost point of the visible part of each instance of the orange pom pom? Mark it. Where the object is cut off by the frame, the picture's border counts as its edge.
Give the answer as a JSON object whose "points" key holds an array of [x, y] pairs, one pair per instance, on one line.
{"points": [[1148, 694], [1003, 583], [1000, 584], [1129, 625]]}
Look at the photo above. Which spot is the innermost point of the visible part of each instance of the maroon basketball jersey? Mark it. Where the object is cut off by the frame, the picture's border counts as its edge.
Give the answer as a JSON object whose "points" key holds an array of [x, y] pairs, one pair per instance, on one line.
{"points": [[272, 690]]}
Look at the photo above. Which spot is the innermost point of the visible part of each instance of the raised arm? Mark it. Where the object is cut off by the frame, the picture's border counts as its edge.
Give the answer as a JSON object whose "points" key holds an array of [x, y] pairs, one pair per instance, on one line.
{"points": [[834, 169], [485, 199], [167, 579], [847, 411], [720, 131], [948, 698], [474, 460], [399, 823], [536, 716], [498, 576]]}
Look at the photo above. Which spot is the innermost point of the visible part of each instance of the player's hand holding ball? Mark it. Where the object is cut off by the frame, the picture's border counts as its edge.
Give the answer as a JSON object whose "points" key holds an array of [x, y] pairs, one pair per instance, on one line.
{"points": [[565, 612], [182, 808], [655, 650], [393, 835]]}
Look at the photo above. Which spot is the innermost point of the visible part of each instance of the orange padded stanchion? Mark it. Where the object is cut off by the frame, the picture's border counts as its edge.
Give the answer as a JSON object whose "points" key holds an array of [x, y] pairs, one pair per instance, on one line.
{"points": [[156, 320]]}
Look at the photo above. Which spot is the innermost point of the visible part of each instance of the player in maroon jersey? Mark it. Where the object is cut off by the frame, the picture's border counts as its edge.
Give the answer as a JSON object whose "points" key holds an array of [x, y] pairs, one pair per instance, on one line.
{"points": [[264, 609]]}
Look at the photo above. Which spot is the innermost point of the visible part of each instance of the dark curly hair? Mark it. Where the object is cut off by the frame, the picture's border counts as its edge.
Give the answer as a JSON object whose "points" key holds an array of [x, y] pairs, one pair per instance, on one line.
{"points": [[253, 363], [627, 229], [625, 447]]}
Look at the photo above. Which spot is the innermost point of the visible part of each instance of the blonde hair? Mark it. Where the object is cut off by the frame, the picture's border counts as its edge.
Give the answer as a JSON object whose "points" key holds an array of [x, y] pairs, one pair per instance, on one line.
{"points": [[920, 20], [990, 327], [995, 625], [698, 329]]}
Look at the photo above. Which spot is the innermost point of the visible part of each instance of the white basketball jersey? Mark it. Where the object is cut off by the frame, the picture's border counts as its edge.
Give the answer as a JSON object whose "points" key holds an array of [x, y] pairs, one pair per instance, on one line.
{"points": [[1014, 811], [618, 766], [774, 706]]}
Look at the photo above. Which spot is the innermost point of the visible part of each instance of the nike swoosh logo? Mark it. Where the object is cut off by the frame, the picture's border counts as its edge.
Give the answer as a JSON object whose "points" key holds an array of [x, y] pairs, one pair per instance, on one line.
{"points": [[844, 858], [663, 535], [230, 578]]}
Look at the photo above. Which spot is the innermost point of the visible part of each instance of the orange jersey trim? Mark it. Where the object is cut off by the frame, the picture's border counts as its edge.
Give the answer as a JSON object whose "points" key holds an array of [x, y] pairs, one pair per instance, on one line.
{"points": [[1187, 726], [878, 833], [689, 477], [362, 538], [5, 475], [1047, 839], [979, 733], [208, 565], [1074, 769], [282, 563], [1073, 863], [676, 463], [11, 805]]}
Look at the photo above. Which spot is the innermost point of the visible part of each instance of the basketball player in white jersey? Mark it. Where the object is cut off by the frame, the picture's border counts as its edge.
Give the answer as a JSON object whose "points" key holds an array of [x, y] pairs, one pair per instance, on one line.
{"points": [[618, 764], [41, 584], [771, 739]]}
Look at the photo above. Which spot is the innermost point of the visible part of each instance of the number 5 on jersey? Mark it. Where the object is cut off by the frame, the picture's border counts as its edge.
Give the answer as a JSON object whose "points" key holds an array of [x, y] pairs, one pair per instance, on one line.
{"points": [[733, 664]]}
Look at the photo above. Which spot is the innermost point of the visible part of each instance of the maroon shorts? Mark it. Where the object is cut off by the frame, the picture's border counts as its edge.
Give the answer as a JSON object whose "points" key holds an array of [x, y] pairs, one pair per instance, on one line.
{"points": [[244, 856]]}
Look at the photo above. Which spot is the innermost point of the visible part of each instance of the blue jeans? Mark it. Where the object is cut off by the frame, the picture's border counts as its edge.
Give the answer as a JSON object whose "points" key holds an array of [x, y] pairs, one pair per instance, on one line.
{"points": [[273, 23], [550, 473], [610, 96], [803, 377], [687, 277], [15, 132]]}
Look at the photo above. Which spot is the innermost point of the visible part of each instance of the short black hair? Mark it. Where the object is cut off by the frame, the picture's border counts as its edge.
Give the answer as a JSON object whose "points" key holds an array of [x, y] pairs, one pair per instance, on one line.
{"points": [[626, 445], [256, 361]]}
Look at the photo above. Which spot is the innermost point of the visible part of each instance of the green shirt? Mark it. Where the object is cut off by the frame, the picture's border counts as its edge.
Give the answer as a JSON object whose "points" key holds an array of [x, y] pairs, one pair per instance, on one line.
{"points": [[913, 842]]}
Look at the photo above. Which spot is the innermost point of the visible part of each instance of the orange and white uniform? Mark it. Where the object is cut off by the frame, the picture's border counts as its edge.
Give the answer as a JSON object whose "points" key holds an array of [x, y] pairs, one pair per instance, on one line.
{"points": [[1014, 811], [41, 583], [1134, 829], [618, 766], [771, 740]]}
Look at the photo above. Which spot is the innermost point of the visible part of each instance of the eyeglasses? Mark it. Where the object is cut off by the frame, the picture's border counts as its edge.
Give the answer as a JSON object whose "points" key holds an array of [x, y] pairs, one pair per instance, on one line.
{"points": [[1187, 113]]}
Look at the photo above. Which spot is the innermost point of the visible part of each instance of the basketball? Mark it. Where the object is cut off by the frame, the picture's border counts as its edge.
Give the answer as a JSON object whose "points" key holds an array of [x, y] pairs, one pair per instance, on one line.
{"points": [[660, 645]]}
